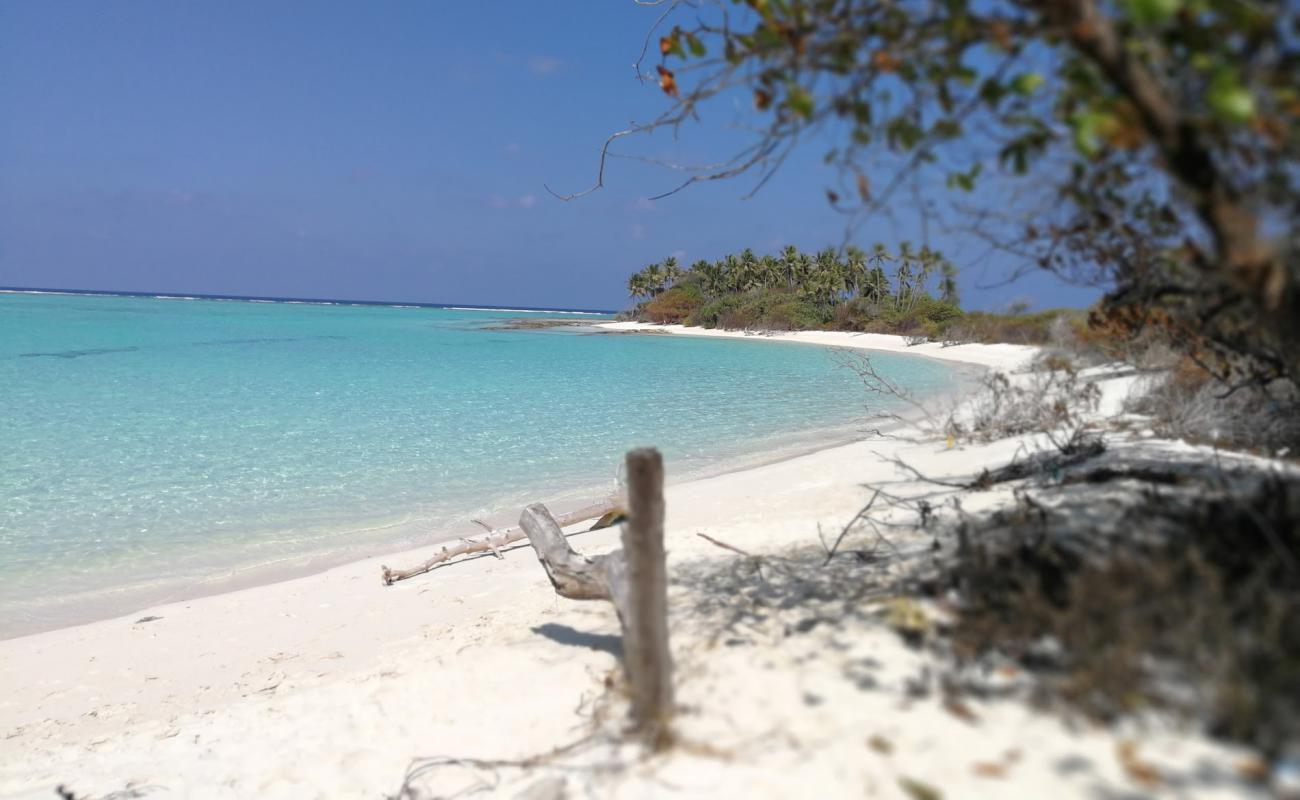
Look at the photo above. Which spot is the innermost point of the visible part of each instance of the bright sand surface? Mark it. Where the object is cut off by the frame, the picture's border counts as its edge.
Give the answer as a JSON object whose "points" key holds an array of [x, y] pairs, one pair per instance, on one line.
{"points": [[998, 356], [330, 685]]}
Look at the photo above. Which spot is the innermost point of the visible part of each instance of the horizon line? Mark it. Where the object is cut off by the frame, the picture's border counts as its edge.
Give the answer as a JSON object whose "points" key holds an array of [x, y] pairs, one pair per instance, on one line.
{"points": [[313, 300]]}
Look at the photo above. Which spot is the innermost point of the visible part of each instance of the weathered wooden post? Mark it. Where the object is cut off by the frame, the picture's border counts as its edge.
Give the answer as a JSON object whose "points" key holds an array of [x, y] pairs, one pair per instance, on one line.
{"points": [[635, 580], [645, 621]]}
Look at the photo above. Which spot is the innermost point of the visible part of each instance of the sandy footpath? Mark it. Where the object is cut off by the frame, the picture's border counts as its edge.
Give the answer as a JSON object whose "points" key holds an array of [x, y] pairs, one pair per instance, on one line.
{"points": [[329, 685]]}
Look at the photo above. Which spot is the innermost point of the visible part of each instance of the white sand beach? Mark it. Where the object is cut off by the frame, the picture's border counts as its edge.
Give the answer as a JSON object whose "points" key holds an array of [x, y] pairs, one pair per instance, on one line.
{"points": [[331, 685], [997, 356]]}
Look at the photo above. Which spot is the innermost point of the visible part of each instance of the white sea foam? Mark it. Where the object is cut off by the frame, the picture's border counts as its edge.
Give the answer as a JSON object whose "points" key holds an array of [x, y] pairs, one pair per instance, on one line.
{"points": [[526, 310]]}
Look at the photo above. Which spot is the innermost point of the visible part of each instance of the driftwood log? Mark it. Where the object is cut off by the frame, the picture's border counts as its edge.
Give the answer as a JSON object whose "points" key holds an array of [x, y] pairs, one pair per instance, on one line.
{"points": [[634, 579], [492, 541]]}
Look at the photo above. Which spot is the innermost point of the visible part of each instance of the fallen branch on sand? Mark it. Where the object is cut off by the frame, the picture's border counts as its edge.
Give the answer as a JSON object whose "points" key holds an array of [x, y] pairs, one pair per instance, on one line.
{"points": [[492, 541]]}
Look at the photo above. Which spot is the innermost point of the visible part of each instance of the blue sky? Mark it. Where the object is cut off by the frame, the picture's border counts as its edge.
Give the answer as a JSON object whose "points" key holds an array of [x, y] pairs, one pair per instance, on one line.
{"points": [[383, 151]]}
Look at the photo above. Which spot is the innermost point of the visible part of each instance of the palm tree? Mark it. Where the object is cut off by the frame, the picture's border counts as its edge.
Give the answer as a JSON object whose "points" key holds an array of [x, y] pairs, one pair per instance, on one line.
{"points": [[928, 261], [948, 283], [878, 279], [655, 279], [903, 298], [710, 276], [789, 260], [769, 272], [735, 279], [803, 269], [672, 270], [827, 277], [855, 270], [637, 286]]}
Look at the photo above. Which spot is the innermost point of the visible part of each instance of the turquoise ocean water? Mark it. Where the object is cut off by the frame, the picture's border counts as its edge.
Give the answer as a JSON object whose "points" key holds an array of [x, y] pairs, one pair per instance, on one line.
{"points": [[155, 449]]}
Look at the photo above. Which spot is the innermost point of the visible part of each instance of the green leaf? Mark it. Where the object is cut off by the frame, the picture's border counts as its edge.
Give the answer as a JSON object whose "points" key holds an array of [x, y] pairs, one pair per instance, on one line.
{"points": [[991, 92], [862, 112], [1152, 12], [961, 180], [1026, 83], [1087, 132], [903, 133], [767, 39], [800, 102], [946, 129], [1228, 99], [696, 46], [964, 75]]}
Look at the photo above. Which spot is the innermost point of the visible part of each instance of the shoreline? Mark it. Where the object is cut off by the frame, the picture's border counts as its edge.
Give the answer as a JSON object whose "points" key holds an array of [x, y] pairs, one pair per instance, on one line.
{"points": [[105, 603], [415, 554], [335, 685], [148, 597], [1006, 357]]}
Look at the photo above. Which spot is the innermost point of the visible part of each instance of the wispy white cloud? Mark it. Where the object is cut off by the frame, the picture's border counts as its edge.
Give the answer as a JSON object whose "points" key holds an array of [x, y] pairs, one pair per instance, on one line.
{"points": [[638, 231], [544, 66], [501, 202]]}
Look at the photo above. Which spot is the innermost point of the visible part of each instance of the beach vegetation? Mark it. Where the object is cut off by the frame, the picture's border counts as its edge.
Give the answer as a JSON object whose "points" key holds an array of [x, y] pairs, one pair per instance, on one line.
{"points": [[911, 292], [908, 292], [1147, 605], [1148, 148], [674, 305]]}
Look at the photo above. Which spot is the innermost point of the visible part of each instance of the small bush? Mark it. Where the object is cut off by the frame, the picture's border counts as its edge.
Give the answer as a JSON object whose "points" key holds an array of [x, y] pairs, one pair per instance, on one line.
{"points": [[929, 317], [1187, 402], [711, 313], [938, 312], [676, 305], [775, 310], [988, 328], [855, 315]]}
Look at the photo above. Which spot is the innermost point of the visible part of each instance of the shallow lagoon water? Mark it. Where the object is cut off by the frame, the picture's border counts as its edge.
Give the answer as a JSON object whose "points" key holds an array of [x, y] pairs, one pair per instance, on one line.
{"points": [[161, 448]]}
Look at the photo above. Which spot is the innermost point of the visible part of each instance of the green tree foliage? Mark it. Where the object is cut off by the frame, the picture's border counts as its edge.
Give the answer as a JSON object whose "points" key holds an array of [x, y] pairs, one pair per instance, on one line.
{"points": [[654, 279], [795, 290], [1166, 133]]}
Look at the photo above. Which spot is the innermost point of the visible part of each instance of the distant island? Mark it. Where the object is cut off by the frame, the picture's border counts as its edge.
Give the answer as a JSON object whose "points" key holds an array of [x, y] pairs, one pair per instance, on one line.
{"points": [[911, 292]]}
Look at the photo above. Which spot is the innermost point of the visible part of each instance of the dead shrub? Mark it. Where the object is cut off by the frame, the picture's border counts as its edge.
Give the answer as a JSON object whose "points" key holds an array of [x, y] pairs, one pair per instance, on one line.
{"points": [[1053, 400], [1013, 328], [1190, 403], [1187, 600]]}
